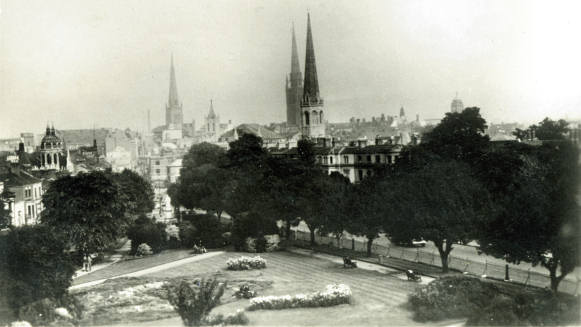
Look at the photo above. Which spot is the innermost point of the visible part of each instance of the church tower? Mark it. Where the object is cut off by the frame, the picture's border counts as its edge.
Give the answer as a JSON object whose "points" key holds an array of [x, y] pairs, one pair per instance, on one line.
{"points": [[173, 109], [313, 122], [294, 87]]}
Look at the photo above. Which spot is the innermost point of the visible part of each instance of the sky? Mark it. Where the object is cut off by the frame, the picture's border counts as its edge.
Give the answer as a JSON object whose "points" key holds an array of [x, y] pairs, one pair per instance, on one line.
{"points": [[80, 64]]}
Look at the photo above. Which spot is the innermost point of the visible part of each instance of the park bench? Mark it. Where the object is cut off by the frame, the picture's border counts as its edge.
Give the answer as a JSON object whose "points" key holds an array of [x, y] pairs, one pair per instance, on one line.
{"points": [[348, 263], [413, 276]]}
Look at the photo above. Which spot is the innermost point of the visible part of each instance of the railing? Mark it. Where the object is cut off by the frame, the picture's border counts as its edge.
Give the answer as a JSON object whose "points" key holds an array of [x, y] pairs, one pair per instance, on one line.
{"points": [[570, 284]]}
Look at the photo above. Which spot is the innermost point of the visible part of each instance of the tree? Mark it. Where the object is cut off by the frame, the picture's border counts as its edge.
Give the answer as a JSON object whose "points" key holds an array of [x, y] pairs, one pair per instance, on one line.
{"points": [[460, 136], [441, 203], [88, 208], [247, 193], [202, 179], [145, 230], [333, 207], [137, 192], [551, 130], [537, 215], [37, 263], [5, 219], [366, 211]]}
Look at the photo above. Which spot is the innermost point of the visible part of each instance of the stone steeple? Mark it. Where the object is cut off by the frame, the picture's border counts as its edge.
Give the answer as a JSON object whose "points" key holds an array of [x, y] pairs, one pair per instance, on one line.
{"points": [[294, 86], [312, 118], [173, 109], [311, 85]]}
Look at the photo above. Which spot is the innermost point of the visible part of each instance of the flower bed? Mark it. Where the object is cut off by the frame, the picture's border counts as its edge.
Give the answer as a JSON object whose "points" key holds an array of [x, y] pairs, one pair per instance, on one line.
{"points": [[333, 295], [246, 263]]}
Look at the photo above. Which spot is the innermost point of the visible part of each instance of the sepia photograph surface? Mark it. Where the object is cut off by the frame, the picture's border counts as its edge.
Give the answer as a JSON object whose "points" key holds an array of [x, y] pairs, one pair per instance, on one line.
{"points": [[290, 163]]}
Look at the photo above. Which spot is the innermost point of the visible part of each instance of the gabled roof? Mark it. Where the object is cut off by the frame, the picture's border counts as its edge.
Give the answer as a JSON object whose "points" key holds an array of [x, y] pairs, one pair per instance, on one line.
{"points": [[22, 178]]}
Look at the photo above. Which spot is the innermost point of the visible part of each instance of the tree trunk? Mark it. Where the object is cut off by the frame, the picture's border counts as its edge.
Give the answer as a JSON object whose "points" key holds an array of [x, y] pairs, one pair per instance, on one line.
{"points": [[219, 215], [444, 250], [555, 280], [312, 231], [444, 258], [288, 229], [369, 244]]}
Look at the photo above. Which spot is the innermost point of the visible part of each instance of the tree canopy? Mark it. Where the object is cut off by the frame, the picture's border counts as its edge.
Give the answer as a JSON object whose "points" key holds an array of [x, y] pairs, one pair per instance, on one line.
{"points": [[88, 208], [537, 213], [442, 203], [459, 136]]}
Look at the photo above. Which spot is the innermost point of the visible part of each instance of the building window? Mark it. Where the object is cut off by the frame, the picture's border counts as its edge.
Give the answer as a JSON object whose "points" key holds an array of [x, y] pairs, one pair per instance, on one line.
{"points": [[346, 159], [368, 158], [389, 159], [157, 171], [359, 158], [157, 162], [331, 160], [377, 159], [346, 172], [325, 160]]}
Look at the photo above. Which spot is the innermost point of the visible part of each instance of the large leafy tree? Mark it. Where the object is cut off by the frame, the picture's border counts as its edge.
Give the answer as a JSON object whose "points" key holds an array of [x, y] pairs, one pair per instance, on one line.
{"points": [[37, 264], [333, 207], [366, 206], [549, 129], [136, 190], [441, 202], [248, 190], [459, 136], [537, 214], [202, 179], [89, 209]]}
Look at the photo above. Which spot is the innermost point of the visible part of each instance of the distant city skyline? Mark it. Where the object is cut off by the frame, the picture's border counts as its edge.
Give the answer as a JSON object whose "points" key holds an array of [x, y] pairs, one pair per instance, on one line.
{"points": [[107, 63]]}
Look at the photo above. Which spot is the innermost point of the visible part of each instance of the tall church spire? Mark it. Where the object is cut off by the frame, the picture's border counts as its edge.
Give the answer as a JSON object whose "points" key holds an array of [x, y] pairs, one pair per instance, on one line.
{"points": [[311, 85], [295, 66], [313, 123], [173, 109], [173, 87], [294, 86]]}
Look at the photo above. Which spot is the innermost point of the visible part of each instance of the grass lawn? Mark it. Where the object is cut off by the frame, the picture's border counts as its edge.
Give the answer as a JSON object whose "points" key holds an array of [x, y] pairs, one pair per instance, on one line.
{"points": [[133, 264], [378, 299]]}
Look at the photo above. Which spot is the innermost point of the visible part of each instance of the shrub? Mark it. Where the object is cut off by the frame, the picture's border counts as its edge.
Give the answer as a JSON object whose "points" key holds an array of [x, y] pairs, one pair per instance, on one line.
{"points": [[173, 236], [49, 311], [246, 263], [254, 226], [143, 249], [485, 303], [36, 265], [145, 230], [195, 304], [239, 318], [207, 231], [188, 234], [333, 295]]}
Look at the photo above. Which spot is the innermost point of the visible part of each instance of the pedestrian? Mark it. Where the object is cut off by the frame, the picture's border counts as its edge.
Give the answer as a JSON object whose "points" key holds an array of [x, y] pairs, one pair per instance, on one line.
{"points": [[85, 262], [89, 263]]}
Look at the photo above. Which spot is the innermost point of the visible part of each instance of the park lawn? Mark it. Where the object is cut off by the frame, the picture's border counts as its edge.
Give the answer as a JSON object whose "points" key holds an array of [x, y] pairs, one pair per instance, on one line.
{"points": [[378, 299], [131, 264]]}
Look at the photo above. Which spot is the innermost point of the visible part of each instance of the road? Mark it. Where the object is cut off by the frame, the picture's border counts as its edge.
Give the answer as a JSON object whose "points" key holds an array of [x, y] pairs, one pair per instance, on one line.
{"points": [[467, 252]]}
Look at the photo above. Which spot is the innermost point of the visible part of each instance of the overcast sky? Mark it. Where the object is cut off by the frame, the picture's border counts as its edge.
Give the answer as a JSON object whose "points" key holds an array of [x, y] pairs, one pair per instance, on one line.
{"points": [[105, 63]]}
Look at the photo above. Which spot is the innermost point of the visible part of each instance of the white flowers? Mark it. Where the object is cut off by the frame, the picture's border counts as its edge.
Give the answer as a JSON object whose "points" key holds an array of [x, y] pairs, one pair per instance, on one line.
{"points": [[333, 295], [246, 263]]}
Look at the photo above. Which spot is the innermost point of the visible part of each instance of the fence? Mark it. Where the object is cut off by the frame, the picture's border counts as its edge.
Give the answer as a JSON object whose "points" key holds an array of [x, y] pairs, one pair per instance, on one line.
{"points": [[570, 284]]}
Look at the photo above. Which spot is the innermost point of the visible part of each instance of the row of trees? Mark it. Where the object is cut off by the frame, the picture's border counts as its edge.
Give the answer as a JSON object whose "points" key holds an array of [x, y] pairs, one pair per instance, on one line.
{"points": [[517, 200]]}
